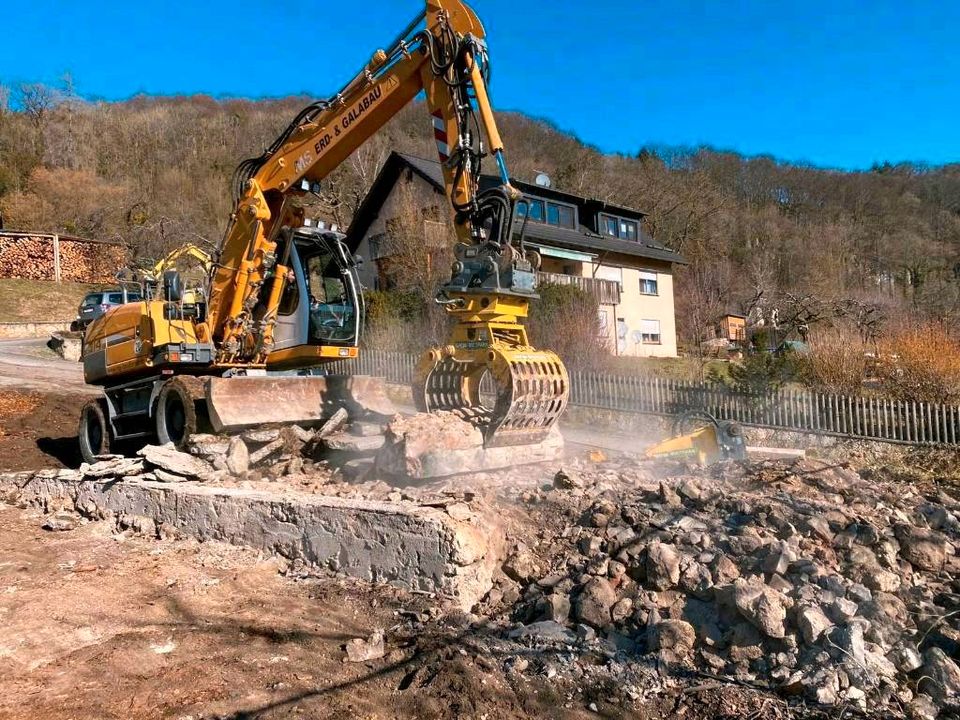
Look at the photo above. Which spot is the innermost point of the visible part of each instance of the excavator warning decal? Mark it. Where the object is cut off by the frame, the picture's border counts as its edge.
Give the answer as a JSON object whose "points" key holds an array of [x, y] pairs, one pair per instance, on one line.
{"points": [[440, 134]]}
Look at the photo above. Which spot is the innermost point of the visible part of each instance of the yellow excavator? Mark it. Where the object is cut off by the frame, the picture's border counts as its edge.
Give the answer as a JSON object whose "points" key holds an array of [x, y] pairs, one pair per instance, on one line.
{"points": [[283, 293], [150, 278]]}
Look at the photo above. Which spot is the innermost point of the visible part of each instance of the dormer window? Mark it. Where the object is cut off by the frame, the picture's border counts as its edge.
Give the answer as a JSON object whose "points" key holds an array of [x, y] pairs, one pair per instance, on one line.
{"points": [[618, 227], [535, 208], [551, 213]]}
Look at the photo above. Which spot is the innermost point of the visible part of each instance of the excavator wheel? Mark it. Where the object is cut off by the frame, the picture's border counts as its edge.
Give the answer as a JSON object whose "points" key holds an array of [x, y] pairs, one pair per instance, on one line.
{"points": [[94, 431], [180, 411], [531, 392]]}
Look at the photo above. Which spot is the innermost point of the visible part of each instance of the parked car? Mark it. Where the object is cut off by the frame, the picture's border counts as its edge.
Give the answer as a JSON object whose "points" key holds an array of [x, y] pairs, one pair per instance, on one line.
{"points": [[96, 304]]}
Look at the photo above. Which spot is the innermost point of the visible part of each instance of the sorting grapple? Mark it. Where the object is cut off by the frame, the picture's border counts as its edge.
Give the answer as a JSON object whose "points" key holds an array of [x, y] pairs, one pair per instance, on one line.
{"points": [[489, 375]]}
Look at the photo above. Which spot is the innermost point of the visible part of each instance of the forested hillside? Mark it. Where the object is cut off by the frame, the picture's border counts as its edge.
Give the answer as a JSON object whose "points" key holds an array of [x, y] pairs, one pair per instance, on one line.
{"points": [[878, 247]]}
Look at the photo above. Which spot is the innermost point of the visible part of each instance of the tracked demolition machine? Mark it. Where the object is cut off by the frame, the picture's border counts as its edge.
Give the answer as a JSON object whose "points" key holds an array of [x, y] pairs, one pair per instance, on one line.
{"points": [[283, 294]]}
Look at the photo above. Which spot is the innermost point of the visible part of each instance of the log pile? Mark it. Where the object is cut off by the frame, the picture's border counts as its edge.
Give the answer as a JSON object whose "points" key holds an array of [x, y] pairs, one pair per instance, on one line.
{"points": [[32, 258]]}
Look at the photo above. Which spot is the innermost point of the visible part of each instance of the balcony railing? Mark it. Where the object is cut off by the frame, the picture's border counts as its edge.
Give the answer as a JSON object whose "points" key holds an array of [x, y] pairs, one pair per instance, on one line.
{"points": [[607, 292]]}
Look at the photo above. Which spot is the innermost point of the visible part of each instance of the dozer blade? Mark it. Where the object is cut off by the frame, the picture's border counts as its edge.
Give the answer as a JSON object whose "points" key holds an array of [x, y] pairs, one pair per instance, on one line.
{"points": [[531, 392], [239, 403]]}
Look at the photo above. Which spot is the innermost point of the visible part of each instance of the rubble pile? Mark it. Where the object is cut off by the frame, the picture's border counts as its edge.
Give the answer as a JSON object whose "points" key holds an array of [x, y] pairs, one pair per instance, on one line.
{"points": [[799, 576]]}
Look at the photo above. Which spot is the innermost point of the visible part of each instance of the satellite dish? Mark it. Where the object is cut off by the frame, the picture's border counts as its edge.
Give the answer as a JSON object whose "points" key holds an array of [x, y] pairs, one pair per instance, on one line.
{"points": [[543, 180]]}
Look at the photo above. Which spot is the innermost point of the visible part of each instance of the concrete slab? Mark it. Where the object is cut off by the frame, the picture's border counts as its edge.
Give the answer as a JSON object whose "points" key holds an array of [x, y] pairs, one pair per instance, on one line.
{"points": [[354, 443], [404, 544], [454, 448]]}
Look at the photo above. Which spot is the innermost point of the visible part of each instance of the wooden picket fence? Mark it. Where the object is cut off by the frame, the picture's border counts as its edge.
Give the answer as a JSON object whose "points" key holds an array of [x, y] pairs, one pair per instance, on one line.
{"points": [[852, 416]]}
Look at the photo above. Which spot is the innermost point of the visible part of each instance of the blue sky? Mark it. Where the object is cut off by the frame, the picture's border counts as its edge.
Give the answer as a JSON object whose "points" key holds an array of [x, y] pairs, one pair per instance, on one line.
{"points": [[838, 84]]}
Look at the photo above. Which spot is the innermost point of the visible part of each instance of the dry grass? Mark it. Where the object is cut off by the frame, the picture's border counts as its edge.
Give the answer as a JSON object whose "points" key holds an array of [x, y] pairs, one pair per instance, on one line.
{"points": [[41, 301], [921, 364]]}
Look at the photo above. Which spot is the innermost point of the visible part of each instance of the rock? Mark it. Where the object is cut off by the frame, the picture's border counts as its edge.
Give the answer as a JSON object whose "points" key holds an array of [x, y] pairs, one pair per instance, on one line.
{"points": [[523, 567], [336, 421], [669, 496], [763, 606], [812, 623], [265, 452], [360, 650], [922, 707], [304, 435], [595, 602], [663, 565], [114, 467], [819, 527], [674, 639], [544, 631], [261, 436], [841, 610], [696, 579], [164, 476], [167, 457], [459, 511], [690, 489], [621, 610], [586, 633], [566, 480], [888, 618], [778, 559], [849, 638], [61, 522], [555, 607], [590, 545], [238, 457], [724, 570], [883, 581], [924, 549], [906, 657], [942, 676]]}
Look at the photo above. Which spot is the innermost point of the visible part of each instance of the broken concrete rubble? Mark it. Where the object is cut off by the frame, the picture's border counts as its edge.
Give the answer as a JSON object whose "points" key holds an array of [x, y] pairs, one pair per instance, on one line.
{"points": [[796, 574]]}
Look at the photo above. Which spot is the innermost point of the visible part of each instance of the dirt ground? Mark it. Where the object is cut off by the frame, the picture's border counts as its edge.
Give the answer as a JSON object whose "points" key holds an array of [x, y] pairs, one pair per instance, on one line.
{"points": [[97, 625], [38, 430]]}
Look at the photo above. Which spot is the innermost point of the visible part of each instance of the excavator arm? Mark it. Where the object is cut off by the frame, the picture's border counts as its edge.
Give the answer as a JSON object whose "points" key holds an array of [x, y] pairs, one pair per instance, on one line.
{"points": [[442, 53]]}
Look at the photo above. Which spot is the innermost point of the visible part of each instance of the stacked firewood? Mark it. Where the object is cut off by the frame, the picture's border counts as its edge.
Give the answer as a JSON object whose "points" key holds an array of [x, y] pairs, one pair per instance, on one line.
{"points": [[32, 258]]}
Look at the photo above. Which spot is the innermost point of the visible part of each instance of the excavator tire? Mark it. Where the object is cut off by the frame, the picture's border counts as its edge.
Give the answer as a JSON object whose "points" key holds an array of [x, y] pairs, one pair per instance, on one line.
{"points": [[94, 431], [180, 411]]}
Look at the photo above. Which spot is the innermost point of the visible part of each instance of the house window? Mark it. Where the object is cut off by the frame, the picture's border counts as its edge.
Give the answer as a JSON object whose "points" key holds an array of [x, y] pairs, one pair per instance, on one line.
{"points": [[561, 215], [650, 332], [614, 274], [618, 227], [535, 208], [609, 225], [648, 283]]}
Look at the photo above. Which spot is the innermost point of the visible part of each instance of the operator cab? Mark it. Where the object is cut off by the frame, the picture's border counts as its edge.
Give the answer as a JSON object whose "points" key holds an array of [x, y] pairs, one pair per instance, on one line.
{"points": [[322, 305]]}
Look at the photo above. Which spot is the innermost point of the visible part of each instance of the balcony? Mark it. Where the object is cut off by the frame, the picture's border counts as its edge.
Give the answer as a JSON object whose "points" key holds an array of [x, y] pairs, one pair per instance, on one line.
{"points": [[607, 292]]}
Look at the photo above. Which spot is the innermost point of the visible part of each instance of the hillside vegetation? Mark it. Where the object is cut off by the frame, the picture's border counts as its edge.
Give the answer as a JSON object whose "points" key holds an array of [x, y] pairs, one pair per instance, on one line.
{"points": [[865, 249]]}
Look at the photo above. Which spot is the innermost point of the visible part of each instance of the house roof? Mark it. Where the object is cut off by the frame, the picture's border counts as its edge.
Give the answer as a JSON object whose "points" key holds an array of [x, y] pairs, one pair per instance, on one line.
{"points": [[580, 239]]}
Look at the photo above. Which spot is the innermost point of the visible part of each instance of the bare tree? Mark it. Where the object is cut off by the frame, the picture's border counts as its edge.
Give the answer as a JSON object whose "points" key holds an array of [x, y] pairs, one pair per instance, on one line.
{"points": [[36, 100]]}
